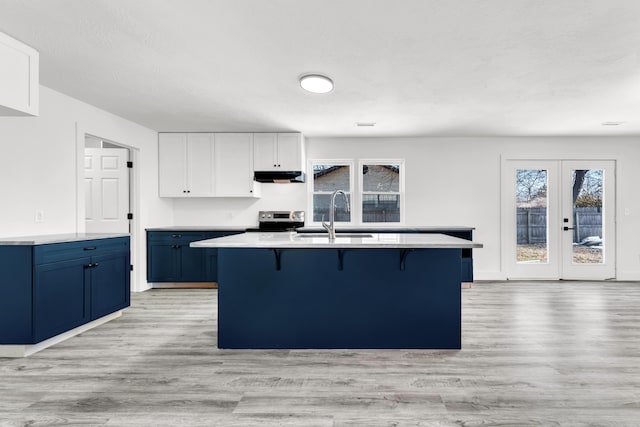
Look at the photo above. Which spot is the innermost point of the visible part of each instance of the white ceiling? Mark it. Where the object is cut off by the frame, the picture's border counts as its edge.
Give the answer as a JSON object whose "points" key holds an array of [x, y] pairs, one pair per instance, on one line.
{"points": [[414, 67]]}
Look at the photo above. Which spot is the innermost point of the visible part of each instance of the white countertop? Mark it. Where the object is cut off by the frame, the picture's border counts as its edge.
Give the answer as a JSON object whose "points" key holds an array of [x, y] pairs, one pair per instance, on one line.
{"points": [[386, 228], [46, 239], [306, 241], [201, 228]]}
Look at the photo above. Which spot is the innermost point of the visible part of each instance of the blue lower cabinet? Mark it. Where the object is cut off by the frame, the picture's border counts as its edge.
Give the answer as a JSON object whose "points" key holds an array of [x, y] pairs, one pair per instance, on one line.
{"points": [[191, 262], [49, 289], [171, 259], [110, 284], [60, 297], [162, 262]]}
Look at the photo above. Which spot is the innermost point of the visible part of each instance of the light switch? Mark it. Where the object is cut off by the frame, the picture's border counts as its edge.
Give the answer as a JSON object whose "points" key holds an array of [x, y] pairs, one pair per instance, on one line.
{"points": [[39, 215], [627, 211]]}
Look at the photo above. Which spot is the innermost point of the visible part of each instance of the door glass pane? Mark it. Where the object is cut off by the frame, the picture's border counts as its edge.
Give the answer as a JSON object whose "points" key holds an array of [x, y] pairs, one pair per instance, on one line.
{"points": [[531, 216], [588, 245]]}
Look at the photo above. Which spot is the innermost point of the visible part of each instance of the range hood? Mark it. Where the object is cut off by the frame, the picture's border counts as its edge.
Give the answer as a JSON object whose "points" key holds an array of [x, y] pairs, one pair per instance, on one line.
{"points": [[280, 177]]}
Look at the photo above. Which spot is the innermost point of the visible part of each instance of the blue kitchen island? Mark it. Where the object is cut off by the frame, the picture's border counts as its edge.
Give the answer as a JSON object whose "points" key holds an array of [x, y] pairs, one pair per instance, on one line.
{"points": [[298, 291]]}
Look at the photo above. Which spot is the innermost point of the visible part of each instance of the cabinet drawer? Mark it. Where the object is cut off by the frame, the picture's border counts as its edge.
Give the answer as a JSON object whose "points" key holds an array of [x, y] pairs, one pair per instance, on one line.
{"points": [[54, 252], [175, 236]]}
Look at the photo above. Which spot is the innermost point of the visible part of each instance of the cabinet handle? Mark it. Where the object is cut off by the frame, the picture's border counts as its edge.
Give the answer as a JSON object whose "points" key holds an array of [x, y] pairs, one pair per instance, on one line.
{"points": [[90, 248], [175, 236], [278, 165], [176, 246], [91, 265]]}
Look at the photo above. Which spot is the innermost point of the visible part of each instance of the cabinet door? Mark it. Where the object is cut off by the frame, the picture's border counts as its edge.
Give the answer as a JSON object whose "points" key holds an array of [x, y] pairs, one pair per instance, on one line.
{"points": [[192, 264], [60, 297], [172, 165], [19, 82], [110, 283], [162, 262], [200, 155], [264, 151], [234, 164], [290, 152]]}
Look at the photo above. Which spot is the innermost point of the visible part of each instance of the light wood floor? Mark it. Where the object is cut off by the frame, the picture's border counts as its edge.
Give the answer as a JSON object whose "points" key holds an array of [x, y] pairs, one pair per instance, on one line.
{"points": [[540, 353]]}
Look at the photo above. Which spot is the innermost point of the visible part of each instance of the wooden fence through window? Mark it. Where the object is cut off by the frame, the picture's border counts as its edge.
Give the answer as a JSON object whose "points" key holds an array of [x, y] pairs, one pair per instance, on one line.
{"points": [[532, 224]]}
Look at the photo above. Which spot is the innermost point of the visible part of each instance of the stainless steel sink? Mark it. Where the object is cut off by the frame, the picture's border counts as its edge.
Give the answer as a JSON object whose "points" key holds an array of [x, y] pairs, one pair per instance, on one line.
{"points": [[338, 235]]}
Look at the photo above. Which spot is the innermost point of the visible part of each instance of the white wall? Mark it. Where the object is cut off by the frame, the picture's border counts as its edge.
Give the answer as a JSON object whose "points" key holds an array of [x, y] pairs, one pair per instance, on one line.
{"points": [[453, 181], [456, 181], [41, 169], [449, 181], [240, 211]]}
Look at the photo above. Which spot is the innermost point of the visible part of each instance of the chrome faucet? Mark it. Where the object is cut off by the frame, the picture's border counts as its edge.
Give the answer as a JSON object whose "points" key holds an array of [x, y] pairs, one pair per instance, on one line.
{"points": [[332, 213]]}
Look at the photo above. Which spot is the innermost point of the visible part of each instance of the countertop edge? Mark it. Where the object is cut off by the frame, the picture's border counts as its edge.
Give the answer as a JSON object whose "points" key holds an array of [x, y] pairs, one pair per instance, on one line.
{"points": [[48, 239], [381, 240]]}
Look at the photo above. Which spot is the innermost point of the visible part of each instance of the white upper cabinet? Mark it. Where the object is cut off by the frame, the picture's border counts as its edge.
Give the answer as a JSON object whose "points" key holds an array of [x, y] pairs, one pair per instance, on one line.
{"points": [[278, 152], [234, 166], [200, 161], [186, 164], [265, 148], [19, 81]]}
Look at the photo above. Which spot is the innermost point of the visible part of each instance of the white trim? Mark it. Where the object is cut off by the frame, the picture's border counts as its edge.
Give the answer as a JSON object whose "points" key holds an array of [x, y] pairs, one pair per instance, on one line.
{"points": [[24, 350]]}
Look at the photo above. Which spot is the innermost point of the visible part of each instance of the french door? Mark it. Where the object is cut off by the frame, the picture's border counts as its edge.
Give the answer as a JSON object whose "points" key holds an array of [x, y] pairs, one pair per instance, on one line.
{"points": [[558, 219]]}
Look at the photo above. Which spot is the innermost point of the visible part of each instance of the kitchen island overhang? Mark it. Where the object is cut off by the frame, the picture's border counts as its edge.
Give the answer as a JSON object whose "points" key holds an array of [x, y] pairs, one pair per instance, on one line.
{"points": [[288, 291]]}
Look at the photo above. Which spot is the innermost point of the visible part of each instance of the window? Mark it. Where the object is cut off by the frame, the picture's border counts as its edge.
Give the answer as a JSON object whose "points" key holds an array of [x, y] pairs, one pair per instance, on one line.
{"points": [[327, 177], [379, 197], [381, 191]]}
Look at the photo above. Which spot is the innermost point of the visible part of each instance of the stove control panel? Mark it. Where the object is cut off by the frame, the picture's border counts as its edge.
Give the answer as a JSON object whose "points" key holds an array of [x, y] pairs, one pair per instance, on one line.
{"points": [[281, 216]]}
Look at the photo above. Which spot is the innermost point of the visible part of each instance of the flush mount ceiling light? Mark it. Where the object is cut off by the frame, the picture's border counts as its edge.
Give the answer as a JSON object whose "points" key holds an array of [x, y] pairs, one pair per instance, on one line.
{"points": [[316, 83]]}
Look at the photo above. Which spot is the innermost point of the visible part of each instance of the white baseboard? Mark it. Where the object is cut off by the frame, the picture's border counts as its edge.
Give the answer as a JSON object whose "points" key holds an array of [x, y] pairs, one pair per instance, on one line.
{"points": [[24, 350]]}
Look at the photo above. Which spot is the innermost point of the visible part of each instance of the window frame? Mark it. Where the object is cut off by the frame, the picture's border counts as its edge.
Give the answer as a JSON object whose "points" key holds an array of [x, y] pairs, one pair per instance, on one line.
{"points": [[356, 185], [351, 193], [400, 192]]}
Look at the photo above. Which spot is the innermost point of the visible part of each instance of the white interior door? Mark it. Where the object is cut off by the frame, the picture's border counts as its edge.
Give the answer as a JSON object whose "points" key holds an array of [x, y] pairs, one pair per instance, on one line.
{"points": [[558, 219], [106, 183], [588, 220]]}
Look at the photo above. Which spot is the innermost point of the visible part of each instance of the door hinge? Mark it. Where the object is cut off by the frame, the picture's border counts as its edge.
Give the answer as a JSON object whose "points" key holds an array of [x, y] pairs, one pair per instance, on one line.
{"points": [[129, 216], [130, 267], [129, 165]]}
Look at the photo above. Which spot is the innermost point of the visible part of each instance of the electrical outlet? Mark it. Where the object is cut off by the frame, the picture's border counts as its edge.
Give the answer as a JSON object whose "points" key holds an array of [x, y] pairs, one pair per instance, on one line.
{"points": [[39, 215]]}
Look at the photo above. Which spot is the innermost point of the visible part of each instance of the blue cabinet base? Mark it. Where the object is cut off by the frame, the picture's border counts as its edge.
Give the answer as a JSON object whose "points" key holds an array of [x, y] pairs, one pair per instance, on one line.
{"points": [[50, 289], [325, 298]]}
